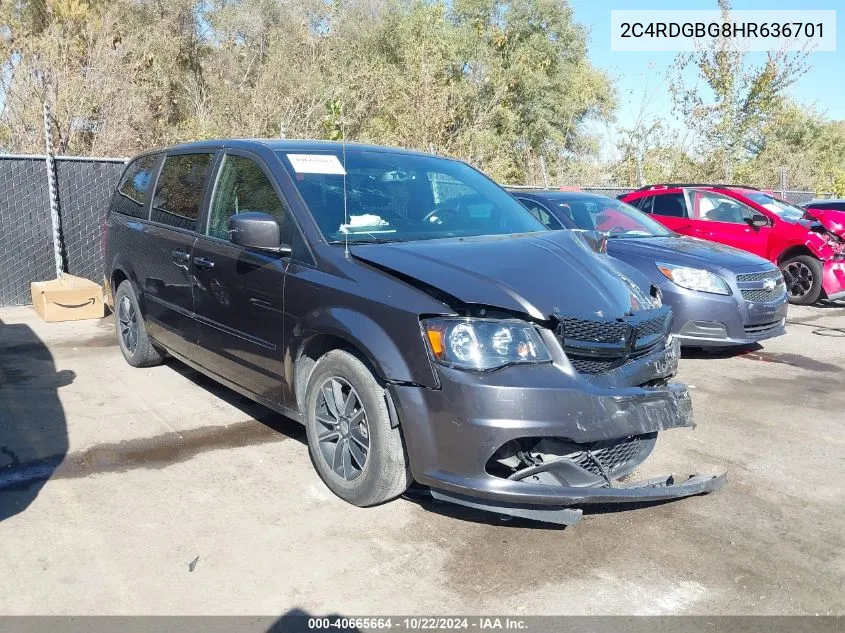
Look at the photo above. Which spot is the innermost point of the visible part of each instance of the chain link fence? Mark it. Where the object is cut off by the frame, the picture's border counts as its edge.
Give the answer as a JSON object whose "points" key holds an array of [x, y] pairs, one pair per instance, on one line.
{"points": [[85, 190], [26, 239], [85, 186]]}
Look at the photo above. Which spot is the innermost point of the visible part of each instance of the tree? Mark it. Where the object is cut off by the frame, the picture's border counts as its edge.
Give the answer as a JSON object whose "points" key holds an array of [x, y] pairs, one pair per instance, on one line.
{"points": [[809, 147], [506, 85], [738, 98]]}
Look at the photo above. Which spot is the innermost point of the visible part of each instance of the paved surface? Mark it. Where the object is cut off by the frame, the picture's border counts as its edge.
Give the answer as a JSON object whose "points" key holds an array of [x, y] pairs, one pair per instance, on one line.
{"points": [[173, 499]]}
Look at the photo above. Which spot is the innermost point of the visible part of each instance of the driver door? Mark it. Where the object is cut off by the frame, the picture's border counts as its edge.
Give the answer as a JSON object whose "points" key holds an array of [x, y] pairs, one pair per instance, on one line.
{"points": [[723, 219], [238, 294]]}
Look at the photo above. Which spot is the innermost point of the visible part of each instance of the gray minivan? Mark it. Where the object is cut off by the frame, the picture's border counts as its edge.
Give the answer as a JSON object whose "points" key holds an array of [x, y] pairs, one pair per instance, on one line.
{"points": [[418, 320]]}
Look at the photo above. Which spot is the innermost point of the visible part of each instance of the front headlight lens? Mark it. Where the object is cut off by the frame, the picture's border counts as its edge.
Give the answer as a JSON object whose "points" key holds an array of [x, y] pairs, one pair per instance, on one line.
{"points": [[483, 344], [694, 279]]}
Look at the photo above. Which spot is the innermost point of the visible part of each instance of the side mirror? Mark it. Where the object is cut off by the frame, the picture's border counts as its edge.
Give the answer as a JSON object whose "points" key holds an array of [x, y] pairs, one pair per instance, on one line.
{"points": [[257, 230], [758, 221]]}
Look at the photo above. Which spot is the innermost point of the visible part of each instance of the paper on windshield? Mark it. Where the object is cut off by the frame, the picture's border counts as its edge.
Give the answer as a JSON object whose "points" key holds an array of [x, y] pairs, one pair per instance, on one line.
{"points": [[368, 221], [316, 164]]}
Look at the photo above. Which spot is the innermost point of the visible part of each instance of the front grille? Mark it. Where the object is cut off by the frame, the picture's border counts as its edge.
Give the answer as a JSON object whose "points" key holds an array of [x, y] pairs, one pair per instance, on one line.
{"points": [[765, 296], [613, 457], [765, 328], [596, 331], [649, 328], [593, 365], [596, 346], [751, 286], [762, 276]]}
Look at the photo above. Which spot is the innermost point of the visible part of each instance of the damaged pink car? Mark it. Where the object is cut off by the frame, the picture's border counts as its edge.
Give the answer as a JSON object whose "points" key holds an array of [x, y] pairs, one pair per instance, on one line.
{"points": [[808, 245]]}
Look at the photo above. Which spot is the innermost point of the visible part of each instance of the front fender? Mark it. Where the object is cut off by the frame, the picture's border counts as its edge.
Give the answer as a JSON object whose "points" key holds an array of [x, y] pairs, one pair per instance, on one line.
{"points": [[820, 247], [404, 361]]}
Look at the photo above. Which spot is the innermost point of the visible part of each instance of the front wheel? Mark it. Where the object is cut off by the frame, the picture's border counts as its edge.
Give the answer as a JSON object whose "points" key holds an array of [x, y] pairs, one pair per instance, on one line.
{"points": [[354, 448], [803, 276]]}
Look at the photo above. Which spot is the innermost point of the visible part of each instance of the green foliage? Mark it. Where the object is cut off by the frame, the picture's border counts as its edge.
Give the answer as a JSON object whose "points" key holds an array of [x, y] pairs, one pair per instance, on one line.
{"points": [[506, 85], [502, 84], [736, 99]]}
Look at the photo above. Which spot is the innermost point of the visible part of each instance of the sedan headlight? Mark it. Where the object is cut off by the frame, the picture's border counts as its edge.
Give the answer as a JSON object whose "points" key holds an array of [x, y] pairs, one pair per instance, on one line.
{"points": [[694, 279], [483, 344]]}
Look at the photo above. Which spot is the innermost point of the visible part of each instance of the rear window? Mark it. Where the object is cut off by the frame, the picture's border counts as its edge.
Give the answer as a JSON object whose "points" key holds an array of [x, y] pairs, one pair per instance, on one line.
{"points": [[131, 194], [179, 190], [670, 205]]}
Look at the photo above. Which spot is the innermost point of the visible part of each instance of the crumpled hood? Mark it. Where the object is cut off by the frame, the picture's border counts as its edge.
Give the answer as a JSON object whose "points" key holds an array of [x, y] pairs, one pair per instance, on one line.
{"points": [[832, 220], [684, 251], [539, 274]]}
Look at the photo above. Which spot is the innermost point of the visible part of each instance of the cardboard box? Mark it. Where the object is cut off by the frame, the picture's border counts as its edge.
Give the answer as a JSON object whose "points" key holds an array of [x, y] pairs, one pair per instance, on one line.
{"points": [[68, 298]]}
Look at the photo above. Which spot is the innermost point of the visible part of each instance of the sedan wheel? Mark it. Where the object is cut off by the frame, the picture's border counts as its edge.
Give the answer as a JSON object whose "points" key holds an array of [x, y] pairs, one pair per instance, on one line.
{"points": [[803, 277], [799, 279]]}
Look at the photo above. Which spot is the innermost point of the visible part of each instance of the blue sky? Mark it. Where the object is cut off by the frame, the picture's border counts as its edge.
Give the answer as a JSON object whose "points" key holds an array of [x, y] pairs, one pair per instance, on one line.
{"points": [[823, 86]]}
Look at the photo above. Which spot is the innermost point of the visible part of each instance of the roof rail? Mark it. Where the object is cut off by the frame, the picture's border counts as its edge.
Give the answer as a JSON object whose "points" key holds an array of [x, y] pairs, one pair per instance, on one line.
{"points": [[669, 185]]}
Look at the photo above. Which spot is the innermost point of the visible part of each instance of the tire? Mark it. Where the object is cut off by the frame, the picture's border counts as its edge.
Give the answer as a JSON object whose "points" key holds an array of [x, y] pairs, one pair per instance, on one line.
{"points": [[339, 443], [803, 275], [137, 349]]}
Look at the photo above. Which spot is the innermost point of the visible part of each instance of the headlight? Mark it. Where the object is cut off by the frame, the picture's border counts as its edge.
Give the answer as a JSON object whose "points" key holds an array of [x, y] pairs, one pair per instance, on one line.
{"points": [[694, 279], [483, 343]]}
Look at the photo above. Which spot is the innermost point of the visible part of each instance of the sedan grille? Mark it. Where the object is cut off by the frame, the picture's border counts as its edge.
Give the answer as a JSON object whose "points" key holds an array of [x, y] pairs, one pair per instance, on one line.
{"points": [[760, 330], [596, 346], [757, 287], [764, 296], [761, 276]]}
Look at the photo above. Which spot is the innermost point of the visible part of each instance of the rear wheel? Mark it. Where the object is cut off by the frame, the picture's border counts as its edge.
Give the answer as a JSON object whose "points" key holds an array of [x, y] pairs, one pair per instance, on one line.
{"points": [[353, 446], [803, 276], [135, 345]]}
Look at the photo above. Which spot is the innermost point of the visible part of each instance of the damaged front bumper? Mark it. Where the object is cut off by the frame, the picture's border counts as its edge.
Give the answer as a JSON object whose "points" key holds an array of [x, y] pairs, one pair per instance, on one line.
{"points": [[645, 491], [833, 278], [533, 441]]}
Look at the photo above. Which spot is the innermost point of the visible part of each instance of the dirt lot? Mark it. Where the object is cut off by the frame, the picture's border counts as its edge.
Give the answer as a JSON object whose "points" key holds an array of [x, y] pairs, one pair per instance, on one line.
{"points": [[178, 496]]}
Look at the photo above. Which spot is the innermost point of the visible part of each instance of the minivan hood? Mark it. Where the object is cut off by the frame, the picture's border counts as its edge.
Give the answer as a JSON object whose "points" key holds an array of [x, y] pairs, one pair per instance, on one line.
{"points": [[832, 220], [684, 251], [538, 274]]}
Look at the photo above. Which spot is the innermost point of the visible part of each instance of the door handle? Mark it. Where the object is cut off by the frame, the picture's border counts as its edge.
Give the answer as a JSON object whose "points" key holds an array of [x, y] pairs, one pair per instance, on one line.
{"points": [[204, 263], [180, 257]]}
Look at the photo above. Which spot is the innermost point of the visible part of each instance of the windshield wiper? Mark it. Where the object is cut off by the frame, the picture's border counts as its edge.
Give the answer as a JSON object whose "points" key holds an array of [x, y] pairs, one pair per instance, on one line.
{"points": [[373, 240]]}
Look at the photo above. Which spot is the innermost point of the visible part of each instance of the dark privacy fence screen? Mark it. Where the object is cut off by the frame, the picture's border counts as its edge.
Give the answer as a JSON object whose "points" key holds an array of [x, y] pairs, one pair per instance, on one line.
{"points": [[84, 187], [26, 239]]}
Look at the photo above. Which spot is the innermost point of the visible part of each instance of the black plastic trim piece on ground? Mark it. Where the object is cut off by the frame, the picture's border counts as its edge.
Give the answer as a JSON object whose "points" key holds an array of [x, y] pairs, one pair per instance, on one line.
{"points": [[546, 514]]}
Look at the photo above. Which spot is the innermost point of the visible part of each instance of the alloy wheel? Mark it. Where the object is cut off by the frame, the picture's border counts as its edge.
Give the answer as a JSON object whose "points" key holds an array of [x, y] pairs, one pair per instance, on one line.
{"points": [[799, 279], [128, 320], [344, 433]]}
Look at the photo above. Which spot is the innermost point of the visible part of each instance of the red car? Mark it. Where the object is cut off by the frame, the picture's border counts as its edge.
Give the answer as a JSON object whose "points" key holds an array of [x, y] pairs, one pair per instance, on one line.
{"points": [[808, 246]]}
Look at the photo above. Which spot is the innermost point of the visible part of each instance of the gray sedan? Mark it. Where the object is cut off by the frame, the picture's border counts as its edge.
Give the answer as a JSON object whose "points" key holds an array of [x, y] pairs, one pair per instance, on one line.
{"points": [[720, 296]]}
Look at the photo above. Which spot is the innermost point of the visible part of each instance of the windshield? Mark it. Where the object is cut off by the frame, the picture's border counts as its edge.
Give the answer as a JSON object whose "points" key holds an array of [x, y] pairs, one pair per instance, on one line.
{"points": [[614, 217], [781, 208], [393, 197]]}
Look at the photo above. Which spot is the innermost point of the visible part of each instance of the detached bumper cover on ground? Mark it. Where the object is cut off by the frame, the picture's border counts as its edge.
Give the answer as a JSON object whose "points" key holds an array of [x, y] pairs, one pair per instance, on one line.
{"points": [[649, 490]]}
